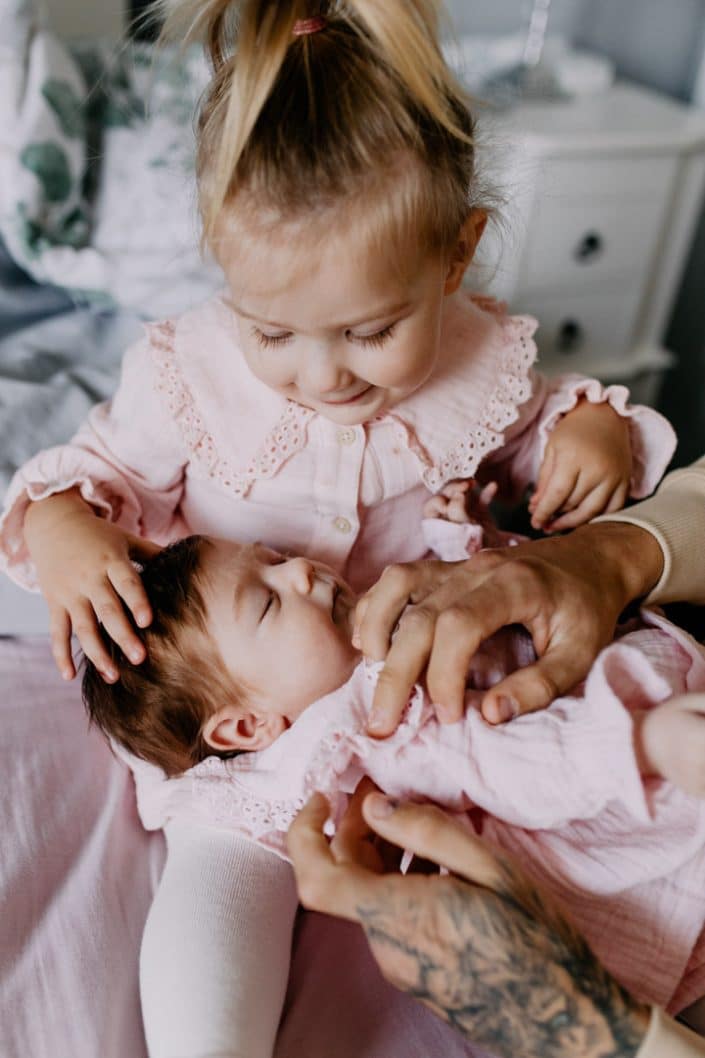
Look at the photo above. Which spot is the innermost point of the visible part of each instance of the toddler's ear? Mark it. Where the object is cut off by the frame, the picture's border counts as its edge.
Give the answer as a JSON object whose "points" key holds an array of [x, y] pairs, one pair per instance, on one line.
{"points": [[234, 727], [468, 238]]}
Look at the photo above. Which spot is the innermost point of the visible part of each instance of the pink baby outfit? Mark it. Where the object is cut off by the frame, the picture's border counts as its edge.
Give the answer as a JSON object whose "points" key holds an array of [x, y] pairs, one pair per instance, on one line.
{"points": [[559, 789], [193, 442]]}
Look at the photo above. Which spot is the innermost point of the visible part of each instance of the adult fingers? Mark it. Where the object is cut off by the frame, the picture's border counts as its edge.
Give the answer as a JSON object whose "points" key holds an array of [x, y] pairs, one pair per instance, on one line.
{"points": [[353, 841], [85, 626], [431, 833], [324, 885], [560, 486], [60, 635], [532, 688], [111, 614], [404, 663], [128, 585], [459, 631], [377, 613]]}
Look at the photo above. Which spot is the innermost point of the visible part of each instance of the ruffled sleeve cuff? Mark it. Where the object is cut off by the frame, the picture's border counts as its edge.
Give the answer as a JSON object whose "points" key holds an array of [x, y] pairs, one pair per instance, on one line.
{"points": [[653, 440], [46, 475]]}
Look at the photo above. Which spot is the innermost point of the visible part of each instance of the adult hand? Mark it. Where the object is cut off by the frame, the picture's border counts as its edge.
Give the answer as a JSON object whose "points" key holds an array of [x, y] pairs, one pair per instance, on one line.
{"points": [[568, 592], [482, 947]]}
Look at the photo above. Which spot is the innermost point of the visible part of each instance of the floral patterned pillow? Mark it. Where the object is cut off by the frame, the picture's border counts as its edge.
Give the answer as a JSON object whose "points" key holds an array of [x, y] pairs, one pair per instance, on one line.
{"points": [[97, 188]]}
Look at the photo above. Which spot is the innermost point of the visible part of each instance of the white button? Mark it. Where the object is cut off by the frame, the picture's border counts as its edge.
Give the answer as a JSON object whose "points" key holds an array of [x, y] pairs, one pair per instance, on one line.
{"points": [[342, 525], [346, 437]]}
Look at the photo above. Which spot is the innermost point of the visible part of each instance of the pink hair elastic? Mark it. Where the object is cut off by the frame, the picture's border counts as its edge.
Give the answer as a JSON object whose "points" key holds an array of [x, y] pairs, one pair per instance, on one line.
{"points": [[305, 26]]}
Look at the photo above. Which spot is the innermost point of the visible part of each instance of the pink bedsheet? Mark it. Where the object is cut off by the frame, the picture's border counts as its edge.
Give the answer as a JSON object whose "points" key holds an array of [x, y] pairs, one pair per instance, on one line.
{"points": [[77, 873]]}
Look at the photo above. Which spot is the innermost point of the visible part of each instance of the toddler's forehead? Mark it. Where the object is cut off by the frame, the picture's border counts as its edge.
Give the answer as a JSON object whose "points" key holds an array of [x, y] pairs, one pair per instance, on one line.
{"points": [[271, 254]]}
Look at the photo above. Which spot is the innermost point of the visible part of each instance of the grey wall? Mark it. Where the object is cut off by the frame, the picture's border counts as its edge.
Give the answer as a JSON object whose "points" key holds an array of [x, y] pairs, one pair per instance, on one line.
{"points": [[511, 16], [657, 43]]}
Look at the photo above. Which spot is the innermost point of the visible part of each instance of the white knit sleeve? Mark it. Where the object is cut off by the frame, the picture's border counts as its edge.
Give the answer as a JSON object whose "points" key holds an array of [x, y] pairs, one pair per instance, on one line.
{"points": [[215, 954]]}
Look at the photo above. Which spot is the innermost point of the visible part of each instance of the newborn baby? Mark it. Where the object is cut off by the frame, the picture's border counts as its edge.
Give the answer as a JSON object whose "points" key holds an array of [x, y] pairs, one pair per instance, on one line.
{"points": [[250, 659]]}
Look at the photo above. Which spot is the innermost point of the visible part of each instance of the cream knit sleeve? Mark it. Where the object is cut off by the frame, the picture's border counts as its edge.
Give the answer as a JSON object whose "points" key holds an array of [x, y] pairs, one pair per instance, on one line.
{"points": [[667, 1039], [675, 515]]}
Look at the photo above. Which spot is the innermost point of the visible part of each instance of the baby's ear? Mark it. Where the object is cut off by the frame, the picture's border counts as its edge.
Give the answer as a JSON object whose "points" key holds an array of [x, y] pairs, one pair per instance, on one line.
{"points": [[237, 728]]}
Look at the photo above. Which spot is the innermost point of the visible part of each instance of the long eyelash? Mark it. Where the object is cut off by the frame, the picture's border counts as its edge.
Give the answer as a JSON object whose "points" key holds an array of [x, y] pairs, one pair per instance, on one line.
{"points": [[269, 340], [379, 338]]}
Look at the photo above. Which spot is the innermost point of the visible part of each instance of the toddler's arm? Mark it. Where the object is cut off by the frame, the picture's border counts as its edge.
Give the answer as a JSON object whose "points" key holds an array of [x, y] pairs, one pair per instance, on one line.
{"points": [[215, 954], [74, 514], [584, 447]]}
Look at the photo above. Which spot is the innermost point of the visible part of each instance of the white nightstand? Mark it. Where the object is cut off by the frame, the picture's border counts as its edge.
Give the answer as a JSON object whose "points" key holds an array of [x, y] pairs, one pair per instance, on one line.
{"points": [[604, 198]]}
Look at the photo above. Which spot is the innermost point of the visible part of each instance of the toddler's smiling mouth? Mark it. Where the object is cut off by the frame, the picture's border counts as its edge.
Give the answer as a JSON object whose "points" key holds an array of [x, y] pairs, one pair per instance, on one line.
{"points": [[349, 400]]}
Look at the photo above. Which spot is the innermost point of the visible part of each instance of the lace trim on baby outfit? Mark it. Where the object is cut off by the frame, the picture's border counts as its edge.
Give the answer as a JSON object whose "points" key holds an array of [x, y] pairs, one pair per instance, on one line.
{"points": [[287, 437], [515, 356], [255, 816]]}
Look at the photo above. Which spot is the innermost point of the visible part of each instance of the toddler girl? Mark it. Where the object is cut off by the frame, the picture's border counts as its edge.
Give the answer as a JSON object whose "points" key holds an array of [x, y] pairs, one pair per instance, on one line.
{"points": [[341, 375], [561, 789]]}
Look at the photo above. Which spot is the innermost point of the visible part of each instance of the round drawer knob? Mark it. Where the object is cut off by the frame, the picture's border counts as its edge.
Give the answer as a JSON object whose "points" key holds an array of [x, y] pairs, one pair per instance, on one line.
{"points": [[570, 336], [589, 248]]}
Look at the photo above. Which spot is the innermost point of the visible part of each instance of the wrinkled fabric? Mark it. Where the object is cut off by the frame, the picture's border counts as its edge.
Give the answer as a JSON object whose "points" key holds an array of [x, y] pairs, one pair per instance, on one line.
{"points": [[560, 789]]}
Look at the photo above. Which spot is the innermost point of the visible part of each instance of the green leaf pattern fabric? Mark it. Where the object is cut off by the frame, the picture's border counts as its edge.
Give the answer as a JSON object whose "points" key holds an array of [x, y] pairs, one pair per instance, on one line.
{"points": [[97, 186]]}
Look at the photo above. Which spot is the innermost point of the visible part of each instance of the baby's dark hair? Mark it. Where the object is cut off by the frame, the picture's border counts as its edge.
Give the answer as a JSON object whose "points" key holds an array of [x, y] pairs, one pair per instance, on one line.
{"points": [[157, 710]]}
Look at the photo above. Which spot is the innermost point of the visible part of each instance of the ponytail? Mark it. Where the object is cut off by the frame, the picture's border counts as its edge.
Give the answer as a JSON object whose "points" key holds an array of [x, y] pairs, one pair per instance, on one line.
{"points": [[319, 113]]}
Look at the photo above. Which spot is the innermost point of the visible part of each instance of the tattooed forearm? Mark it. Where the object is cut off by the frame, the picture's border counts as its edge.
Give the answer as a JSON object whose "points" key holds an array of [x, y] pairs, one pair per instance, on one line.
{"points": [[502, 969]]}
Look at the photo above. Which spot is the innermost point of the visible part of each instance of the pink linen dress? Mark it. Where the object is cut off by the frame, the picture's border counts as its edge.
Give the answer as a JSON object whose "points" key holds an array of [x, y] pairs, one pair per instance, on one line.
{"points": [[193, 442], [560, 789]]}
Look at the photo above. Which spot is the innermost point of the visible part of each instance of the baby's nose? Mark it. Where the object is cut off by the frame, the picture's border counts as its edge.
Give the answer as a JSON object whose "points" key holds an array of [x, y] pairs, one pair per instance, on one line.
{"points": [[300, 574]]}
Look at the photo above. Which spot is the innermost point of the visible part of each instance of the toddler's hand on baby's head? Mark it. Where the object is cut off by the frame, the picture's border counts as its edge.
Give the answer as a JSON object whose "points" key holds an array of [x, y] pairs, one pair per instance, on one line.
{"points": [[586, 469], [670, 742], [85, 572]]}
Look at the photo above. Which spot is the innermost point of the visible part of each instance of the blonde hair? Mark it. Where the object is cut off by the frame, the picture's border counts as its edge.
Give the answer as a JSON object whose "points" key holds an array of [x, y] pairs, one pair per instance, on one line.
{"points": [[293, 124]]}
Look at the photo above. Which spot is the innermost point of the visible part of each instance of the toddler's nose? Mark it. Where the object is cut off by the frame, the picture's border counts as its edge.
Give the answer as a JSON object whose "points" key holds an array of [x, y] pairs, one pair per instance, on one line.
{"points": [[322, 376]]}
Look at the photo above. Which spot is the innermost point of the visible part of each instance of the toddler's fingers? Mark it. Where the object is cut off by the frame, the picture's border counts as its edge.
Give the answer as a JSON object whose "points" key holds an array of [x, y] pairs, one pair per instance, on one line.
{"points": [[456, 511], [560, 486], [593, 504], [435, 507], [488, 493], [545, 472], [60, 634], [85, 626], [618, 498], [128, 585], [110, 612], [457, 488]]}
